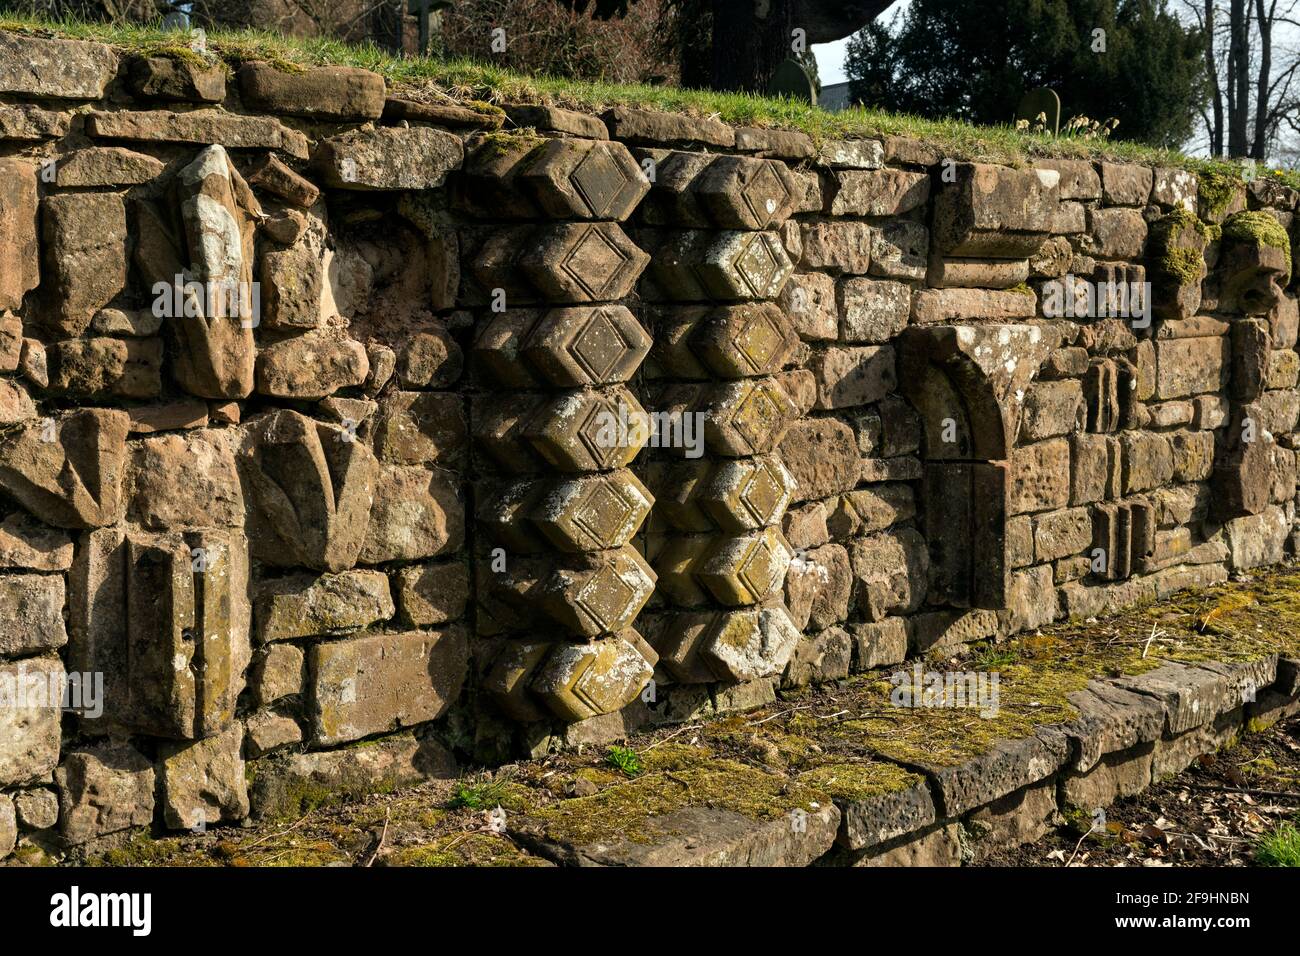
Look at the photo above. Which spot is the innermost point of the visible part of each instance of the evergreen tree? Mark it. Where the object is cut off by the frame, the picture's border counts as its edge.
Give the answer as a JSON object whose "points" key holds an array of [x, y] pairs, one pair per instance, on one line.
{"points": [[1128, 59]]}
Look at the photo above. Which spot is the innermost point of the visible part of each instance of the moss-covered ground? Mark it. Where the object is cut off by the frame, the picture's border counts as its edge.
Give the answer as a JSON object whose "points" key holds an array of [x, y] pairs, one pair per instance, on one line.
{"points": [[484, 86], [843, 741]]}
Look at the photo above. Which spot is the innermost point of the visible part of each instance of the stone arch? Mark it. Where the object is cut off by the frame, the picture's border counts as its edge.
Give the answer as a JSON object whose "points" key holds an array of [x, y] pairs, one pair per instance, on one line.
{"points": [[968, 384]]}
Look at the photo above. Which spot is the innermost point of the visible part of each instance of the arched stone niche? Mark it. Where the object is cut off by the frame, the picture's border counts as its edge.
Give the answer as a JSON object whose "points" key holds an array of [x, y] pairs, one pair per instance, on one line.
{"points": [[968, 384]]}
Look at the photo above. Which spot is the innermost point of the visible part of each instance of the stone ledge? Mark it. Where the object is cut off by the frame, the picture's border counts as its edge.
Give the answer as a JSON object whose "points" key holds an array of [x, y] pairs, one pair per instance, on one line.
{"points": [[1117, 736]]}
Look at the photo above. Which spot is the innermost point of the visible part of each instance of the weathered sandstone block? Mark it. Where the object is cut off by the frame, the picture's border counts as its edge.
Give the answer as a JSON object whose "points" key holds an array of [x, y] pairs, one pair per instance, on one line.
{"points": [[29, 725], [378, 682], [203, 782], [311, 491], [32, 607], [18, 247], [57, 69], [388, 157], [103, 790], [198, 127], [302, 605], [68, 471], [326, 93], [85, 256], [106, 166], [995, 211], [178, 80]]}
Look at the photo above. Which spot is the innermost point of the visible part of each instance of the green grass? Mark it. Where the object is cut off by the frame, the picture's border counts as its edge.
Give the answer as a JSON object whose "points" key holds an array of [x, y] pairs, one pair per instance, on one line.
{"points": [[991, 656], [473, 83], [1281, 847], [624, 759], [482, 796]]}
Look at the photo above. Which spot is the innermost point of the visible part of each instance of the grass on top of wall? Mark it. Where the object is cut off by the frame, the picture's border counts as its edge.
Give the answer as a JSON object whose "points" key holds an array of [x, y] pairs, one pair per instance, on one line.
{"points": [[474, 83]]}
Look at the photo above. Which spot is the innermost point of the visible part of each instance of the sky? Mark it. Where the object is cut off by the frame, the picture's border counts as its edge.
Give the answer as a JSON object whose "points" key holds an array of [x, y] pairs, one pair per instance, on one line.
{"points": [[830, 56], [830, 61]]}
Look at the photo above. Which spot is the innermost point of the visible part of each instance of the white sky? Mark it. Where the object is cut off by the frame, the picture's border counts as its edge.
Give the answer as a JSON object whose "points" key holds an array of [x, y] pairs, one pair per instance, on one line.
{"points": [[830, 56]]}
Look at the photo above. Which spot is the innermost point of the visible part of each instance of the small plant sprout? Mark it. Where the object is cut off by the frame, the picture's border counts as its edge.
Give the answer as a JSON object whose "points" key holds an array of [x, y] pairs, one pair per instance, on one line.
{"points": [[624, 759]]}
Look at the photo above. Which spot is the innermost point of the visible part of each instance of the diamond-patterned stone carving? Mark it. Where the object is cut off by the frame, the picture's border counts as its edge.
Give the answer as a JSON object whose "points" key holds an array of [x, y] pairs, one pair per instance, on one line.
{"points": [[671, 201], [732, 341], [585, 179], [587, 346], [685, 633], [748, 493], [593, 512], [674, 353], [487, 184], [507, 599], [559, 262], [746, 265], [759, 644], [583, 262], [722, 266], [601, 593], [676, 487], [703, 190], [579, 681], [744, 340], [590, 430], [498, 347], [748, 569], [503, 511], [747, 417], [566, 347], [736, 495], [698, 647], [493, 256], [498, 425], [740, 192]]}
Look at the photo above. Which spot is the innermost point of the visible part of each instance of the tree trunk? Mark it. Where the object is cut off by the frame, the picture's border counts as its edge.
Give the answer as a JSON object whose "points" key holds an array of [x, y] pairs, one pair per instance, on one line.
{"points": [[1259, 147], [750, 40], [1212, 70], [1238, 79]]}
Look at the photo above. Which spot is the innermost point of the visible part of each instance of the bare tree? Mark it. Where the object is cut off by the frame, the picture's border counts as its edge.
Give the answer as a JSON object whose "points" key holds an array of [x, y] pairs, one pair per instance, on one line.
{"points": [[1212, 67], [1252, 60], [1276, 98]]}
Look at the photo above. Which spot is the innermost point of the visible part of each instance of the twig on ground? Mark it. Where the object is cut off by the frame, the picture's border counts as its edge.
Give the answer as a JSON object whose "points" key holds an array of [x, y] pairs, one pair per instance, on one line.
{"points": [[272, 836], [1077, 845], [383, 835], [1147, 645], [680, 730], [781, 713]]}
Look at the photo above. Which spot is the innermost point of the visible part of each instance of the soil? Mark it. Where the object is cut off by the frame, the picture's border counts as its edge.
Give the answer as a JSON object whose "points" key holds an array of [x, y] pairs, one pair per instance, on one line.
{"points": [[1210, 815]]}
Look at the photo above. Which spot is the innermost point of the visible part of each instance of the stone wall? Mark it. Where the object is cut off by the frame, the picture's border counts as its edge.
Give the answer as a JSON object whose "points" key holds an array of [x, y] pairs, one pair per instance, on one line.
{"points": [[513, 440]]}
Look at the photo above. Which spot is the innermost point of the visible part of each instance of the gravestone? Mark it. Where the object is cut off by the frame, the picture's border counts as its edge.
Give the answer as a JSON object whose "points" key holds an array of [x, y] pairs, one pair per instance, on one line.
{"points": [[793, 80], [1040, 101]]}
